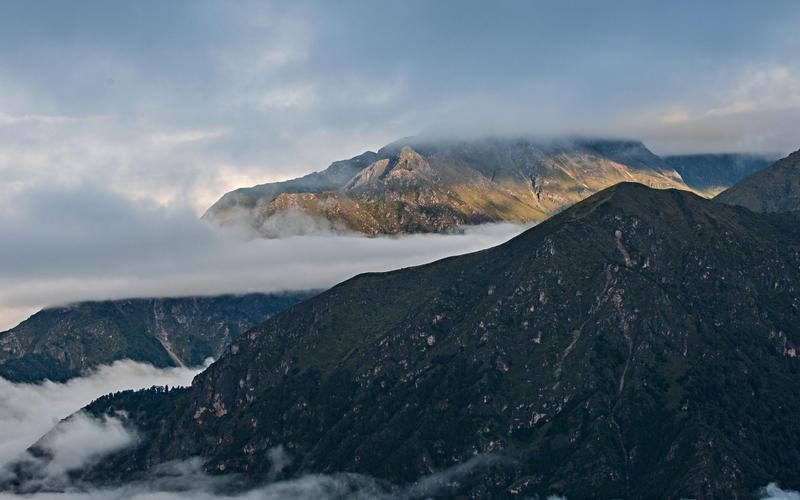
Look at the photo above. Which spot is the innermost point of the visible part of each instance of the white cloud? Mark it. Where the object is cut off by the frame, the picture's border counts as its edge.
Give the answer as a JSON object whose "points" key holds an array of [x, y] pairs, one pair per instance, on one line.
{"points": [[288, 97], [773, 492], [28, 411], [7, 119], [185, 136], [755, 109], [79, 442], [772, 88], [186, 480]]}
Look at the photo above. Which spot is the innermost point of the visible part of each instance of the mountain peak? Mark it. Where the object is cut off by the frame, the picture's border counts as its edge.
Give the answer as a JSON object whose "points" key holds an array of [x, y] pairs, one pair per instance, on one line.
{"points": [[774, 189], [426, 185], [604, 351]]}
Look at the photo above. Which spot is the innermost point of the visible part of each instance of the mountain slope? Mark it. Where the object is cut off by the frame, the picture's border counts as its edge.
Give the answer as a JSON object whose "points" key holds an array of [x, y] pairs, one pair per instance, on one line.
{"points": [[418, 185], [62, 342], [712, 173], [774, 189], [641, 344]]}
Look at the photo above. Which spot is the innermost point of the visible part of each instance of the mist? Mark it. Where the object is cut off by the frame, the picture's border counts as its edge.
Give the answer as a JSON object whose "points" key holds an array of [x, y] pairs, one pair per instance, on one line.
{"points": [[28, 411], [83, 243], [773, 492]]}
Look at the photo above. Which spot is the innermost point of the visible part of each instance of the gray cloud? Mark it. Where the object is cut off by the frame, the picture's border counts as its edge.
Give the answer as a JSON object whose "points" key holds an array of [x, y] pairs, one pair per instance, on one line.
{"points": [[186, 480], [65, 245]]}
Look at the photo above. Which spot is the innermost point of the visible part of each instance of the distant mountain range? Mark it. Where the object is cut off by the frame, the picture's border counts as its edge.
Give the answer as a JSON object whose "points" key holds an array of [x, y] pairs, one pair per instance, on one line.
{"points": [[421, 185], [418, 185], [640, 344], [774, 189], [64, 342], [710, 174]]}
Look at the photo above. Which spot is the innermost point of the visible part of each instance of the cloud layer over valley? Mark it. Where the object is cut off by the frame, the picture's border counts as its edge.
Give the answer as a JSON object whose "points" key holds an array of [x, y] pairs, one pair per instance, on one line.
{"points": [[72, 244], [28, 411]]}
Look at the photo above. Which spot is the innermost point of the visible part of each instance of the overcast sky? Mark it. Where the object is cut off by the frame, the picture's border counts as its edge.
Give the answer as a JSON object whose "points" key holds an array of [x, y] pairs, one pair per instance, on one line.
{"points": [[151, 110], [184, 100]]}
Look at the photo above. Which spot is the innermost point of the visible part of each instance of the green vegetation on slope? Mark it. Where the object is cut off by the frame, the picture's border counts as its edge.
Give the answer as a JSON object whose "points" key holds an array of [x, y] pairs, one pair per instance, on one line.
{"points": [[640, 344], [63, 342]]}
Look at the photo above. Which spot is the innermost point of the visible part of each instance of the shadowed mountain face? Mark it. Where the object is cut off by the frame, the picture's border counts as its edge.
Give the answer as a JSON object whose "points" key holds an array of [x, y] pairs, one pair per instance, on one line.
{"points": [[63, 342], [419, 185], [710, 174], [641, 344], [774, 189]]}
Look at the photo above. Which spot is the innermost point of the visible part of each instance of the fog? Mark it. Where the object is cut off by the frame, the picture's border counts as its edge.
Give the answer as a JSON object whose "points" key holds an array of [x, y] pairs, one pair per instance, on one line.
{"points": [[28, 411], [186, 480], [773, 492], [71, 244]]}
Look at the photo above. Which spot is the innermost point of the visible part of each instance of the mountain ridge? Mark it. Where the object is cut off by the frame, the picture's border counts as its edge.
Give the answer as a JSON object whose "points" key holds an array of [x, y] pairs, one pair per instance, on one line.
{"points": [[441, 185], [59, 343], [773, 189], [640, 344], [712, 173]]}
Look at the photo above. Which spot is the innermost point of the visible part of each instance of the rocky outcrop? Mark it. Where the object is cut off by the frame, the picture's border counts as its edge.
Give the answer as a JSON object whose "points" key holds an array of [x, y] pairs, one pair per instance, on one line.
{"points": [[418, 185]]}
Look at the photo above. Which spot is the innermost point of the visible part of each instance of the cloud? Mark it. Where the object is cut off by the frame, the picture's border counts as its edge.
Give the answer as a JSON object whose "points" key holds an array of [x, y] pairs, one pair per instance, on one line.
{"points": [[755, 108], [186, 480], [64, 245], [773, 492], [297, 96], [76, 443], [28, 411]]}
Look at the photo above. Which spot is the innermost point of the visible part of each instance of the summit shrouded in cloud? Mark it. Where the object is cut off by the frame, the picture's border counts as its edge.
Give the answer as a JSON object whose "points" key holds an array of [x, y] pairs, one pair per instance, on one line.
{"points": [[426, 185], [185, 101]]}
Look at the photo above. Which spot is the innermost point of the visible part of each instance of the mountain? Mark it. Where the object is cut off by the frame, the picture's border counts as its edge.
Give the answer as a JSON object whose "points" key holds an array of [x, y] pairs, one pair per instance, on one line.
{"points": [[641, 344], [712, 173], [63, 342], [774, 189], [422, 185]]}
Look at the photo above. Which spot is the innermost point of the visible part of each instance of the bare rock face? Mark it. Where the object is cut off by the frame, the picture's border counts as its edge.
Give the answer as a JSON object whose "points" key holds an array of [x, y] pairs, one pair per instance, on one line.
{"points": [[640, 344], [774, 189], [419, 185], [63, 342]]}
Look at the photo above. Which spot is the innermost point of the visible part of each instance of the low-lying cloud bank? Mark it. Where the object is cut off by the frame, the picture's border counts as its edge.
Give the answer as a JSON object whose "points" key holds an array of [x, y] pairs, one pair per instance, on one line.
{"points": [[82, 441], [773, 492], [85, 243], [28, 411]]}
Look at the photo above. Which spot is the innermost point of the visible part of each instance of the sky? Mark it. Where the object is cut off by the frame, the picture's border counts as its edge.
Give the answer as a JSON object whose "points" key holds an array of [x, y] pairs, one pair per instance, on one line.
{"points": [[121, 122]]}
